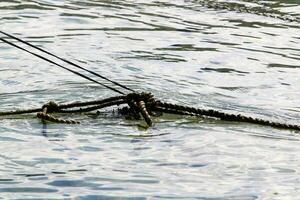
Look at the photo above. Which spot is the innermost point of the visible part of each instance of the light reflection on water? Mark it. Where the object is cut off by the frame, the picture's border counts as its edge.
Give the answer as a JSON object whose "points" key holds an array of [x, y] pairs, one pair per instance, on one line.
{"points": [[199, 53]]}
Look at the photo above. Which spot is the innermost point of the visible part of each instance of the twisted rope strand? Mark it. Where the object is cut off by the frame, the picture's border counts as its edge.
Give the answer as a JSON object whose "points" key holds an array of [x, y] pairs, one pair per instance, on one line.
{"points": [[172, 111], [143, 110], [48, 117], [140, 104], [226, 116], [44, 116]]}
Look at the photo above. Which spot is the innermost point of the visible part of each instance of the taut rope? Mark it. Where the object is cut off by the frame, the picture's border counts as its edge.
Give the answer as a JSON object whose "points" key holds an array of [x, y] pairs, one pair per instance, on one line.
{"points": [[62, 59]]}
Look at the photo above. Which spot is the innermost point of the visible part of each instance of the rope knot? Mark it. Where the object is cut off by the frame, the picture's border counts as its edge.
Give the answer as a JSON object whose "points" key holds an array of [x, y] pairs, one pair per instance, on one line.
{"points": [[139, 102], [147, 97], [51, 107]]}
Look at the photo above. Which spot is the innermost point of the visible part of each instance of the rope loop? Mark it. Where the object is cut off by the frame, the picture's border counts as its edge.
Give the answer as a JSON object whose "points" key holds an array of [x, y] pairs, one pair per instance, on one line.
{"points": [[147, 97], [51, 118], [51, 107]]}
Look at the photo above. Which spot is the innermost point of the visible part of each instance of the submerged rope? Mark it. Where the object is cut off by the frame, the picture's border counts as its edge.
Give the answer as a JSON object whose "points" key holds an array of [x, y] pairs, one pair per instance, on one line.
{"points": [[145, 106]]}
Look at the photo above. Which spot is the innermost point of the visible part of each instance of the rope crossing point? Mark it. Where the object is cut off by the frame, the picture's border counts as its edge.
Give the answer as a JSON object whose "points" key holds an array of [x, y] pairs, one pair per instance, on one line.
{"points": [[140, 105]]}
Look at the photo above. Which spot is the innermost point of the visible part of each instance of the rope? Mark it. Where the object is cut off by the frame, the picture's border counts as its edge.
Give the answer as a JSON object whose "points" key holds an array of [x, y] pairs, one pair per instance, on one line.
{"points": [[143, 110], [90, 103], [60, 108], [140, 105], [70, 70], [88, 109], [18, 112], [69, 62], [51, 107], [223, 116]]}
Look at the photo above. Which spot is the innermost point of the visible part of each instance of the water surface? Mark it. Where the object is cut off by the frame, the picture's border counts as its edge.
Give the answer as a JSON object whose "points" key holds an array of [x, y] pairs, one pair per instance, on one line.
{"points": [[234, 56]]}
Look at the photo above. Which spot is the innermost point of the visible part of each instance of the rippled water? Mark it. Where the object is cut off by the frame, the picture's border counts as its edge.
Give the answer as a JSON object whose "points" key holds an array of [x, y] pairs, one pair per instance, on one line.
{"points": [[235, 56]]}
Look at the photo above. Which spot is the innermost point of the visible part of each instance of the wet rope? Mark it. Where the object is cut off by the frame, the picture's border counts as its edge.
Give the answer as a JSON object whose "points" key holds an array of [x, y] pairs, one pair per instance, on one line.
{"points": [[140, 104], [51, 107], [97, 107], [178, 109], [145, 106]]}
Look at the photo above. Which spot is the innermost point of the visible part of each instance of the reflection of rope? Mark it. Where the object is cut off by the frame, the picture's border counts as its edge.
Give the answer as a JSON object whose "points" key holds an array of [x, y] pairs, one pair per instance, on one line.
{"points": [[263, 11], [140, 105]]}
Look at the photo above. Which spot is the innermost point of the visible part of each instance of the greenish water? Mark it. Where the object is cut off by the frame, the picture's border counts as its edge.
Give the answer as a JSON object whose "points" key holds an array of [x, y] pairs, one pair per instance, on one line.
{"points": [[234, 56]]}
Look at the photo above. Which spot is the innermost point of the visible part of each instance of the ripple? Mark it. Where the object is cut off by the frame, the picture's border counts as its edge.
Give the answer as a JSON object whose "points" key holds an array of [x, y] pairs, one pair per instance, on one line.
{"points": [[236, 56], [27, 190], [277, 65], [87, 197]]}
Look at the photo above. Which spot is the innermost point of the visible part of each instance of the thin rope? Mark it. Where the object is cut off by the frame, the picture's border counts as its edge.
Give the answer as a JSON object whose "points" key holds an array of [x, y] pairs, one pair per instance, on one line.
{"points": [[61, 108], [97, 107], [70, 70], [67, 61]]}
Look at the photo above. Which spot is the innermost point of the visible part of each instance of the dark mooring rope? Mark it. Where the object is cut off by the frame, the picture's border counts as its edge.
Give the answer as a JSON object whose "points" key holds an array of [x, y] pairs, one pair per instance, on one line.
{"points": [[173, 108], [66, 61], [97, 107], [53, 107], [141, 104], [145, 105], [47, 117]]}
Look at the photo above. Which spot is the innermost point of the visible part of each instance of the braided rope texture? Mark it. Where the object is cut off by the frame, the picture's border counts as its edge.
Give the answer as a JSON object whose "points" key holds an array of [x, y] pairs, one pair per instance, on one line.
{"points": [[223, 116], [141, 105], [52, 107], [50, 118]]}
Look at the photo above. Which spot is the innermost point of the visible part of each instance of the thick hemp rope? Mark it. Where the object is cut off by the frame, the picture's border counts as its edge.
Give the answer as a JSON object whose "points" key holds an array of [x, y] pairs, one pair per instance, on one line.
{"points": [[145, 106], [178, 109], [50, 108]]}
